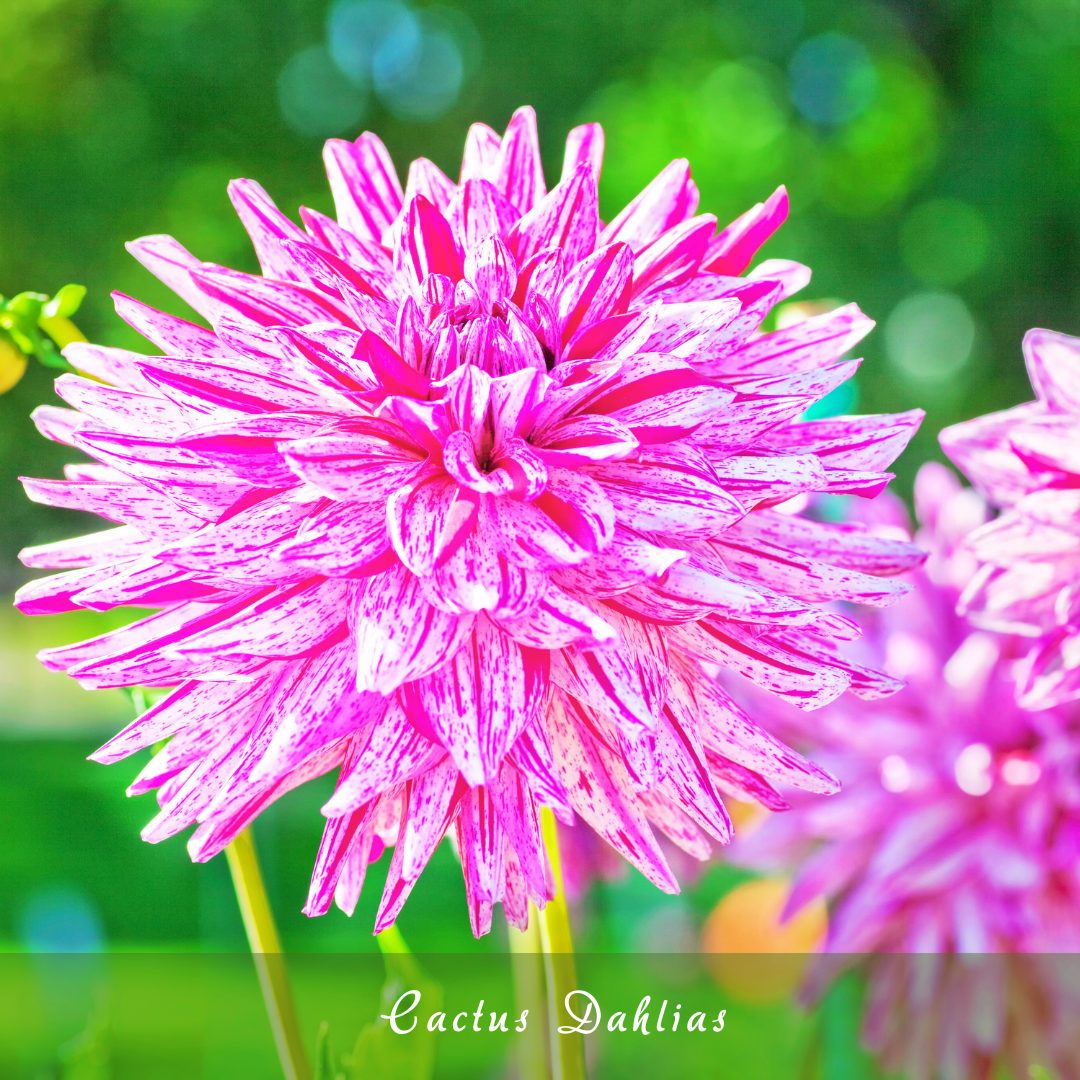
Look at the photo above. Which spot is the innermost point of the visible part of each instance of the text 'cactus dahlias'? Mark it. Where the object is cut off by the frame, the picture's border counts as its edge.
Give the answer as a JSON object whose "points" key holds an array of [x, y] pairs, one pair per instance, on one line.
{"points": [[455, 497], [1027, 462], [958, 829]]}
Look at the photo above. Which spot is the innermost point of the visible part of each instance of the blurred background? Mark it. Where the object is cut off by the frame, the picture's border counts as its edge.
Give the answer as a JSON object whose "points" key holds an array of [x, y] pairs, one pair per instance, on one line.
{"points": [[931, 149]]}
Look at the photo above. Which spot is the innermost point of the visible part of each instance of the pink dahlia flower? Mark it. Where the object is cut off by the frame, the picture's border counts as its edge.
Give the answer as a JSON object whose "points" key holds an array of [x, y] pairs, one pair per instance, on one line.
{"points": [[1027, 462], [454, 498], [958, 827]]}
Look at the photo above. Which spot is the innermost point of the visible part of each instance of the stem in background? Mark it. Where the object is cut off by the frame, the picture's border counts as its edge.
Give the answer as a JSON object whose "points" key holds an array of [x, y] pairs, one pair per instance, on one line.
{"points": [[62, 331], [567, 1050], [391, 941], [266, 951], [527, 967]]}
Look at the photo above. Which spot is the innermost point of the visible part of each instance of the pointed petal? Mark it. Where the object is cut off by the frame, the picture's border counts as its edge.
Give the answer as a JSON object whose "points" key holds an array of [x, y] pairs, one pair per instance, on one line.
{"points": [[268, 227], [626, 680], [427, 245], [478, 211], [601, 792], [510, 692], [170, 262], [117, 367], [293, 621], [813, 343], [803, 682], [559, 620], [481, 153], [434, 797], [325, 707], [429, 518], [168, 332], [673, 258], [399, 635], [668, 492], [732, 250], [628, 562], [599, 286], [366, 464], [190, 703], [668, 200], [341, 540], [567, 218], [343, 837], [517, 170], [389, 753], [531, 756], [686, 772], [520, 819], [109, 545], [263, 301], [366, 189], [444, 704], [584, 144]]}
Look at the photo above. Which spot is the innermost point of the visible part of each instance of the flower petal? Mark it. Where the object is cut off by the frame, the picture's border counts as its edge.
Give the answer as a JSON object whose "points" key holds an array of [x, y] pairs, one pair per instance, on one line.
{"points": [[429, 518], [399, 636], [730, 253], [669, 200], [517, 170], [598, 785], [567, 218], [366, 189]]}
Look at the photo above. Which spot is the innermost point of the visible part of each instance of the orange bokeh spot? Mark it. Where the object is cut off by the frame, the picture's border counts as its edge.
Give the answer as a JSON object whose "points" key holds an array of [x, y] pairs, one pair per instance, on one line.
{"points": [[12, 365], [749, 952]]}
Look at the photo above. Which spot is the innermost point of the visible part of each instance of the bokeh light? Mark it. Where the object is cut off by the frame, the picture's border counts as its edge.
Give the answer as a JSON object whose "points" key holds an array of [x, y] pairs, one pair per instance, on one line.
{"points": [[833, 79], [60, 920], [878, 158], [944, 241], [417, 61], [418, 78], [895, 774], [763, 29], [746, 927], [929, 336], [357, 29], [315, 97], [972, 769]]}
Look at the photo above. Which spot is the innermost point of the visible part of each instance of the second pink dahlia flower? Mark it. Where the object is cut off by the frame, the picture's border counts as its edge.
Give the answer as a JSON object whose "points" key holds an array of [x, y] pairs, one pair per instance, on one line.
{"points": [[455, 498], [1027, 462], [957, 832]]}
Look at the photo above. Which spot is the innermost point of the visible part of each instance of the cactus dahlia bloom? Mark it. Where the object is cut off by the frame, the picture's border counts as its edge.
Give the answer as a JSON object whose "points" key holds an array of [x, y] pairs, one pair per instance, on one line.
{"points": [[454, 498], [958, 829], [1027, 462]]}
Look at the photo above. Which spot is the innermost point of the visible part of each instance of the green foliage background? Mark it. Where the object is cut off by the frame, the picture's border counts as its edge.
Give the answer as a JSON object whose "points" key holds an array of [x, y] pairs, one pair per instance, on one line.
{"points": [[120, 118], [125, 117]]}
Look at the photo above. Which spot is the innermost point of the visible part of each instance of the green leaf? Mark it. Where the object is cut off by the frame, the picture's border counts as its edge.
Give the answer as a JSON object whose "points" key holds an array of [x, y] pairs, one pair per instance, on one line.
{"points": [[379, 1053], [50, 356], [324, 1059], [87, 1055], [66, 301], [27, 305]]}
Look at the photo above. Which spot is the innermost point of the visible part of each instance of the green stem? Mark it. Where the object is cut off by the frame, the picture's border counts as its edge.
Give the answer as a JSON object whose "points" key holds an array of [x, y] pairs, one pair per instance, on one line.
{"points": [[528, 973], [391, 941], [266, 951], [62, 331], [557, 943]]}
